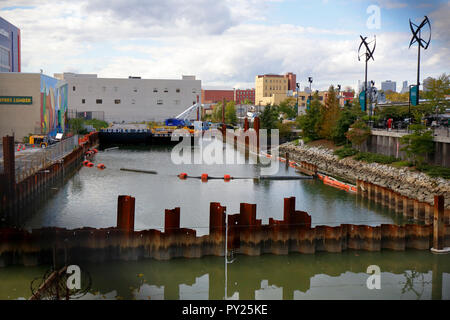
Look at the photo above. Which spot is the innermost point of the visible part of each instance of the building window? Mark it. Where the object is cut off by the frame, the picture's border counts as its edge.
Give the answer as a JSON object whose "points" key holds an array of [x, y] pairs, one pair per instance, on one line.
{"points": [[83, 101], [159, 102], [165, 90], [193, 90], [117, 101], [135, 89], [178, 90], [73, 88], [98, 101], [155, 89]]}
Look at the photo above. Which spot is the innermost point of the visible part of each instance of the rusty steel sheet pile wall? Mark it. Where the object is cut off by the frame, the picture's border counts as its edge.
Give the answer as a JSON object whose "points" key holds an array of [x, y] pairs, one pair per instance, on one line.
{"points": [[246, 235], [14, 197]]}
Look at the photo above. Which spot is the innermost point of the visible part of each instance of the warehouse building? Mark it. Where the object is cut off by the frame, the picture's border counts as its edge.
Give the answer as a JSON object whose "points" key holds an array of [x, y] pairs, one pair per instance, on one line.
{"points": [[131, 99], [9, 47]]}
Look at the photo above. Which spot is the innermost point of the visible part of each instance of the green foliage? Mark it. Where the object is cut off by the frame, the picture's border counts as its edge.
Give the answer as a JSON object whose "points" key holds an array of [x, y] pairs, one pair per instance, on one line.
{"points": [[230, 113], [329, 115], [437, 89], [97, 124], [310, 121], [375, 157], [346, 118], [284, 129], [76, 126], [287, 107], [358, 133], [402, 163], [418, 144], [344, 152], [269, 117], [434, 171]]}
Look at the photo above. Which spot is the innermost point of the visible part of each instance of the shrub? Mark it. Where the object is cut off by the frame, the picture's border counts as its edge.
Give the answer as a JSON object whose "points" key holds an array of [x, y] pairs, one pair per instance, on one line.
{"points": [[345, 152], [375, 157]]}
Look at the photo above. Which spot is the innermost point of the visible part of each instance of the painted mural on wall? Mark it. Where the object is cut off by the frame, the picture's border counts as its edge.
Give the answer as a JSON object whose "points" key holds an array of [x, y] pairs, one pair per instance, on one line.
{"points": [[53, 105]]}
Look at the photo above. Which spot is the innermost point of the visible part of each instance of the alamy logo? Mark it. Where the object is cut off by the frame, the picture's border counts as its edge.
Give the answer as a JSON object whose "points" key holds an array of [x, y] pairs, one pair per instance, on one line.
{"points": [[374, 20], [74, 280], [374, 281], [208, 148]]}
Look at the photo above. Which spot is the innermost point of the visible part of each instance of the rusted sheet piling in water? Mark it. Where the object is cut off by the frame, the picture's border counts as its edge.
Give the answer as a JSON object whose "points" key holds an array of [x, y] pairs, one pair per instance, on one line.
{"points": [[18, 192], [246, 235]]}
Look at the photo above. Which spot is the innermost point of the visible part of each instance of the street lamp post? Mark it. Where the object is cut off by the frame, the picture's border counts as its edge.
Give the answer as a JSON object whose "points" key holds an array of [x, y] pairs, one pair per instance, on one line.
{"points": [[297, 86], [310, 80], [339, 94]]}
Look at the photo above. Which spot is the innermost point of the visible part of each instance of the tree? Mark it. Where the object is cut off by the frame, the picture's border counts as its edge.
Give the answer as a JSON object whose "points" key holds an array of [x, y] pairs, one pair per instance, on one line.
{"points": [[418, 144], [358, 133], [310, 121], [330, 115], [287, 107], [269, 117], [436, 91], [76, 126], [230, 113], [345, 120]]}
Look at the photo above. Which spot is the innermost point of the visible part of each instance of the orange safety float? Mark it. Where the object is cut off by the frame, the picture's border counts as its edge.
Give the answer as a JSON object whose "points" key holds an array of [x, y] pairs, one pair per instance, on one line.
{"points": [[95, 150], [227, 177], [90, 164], [204, 177], [85, 162], [182, 175], [101, 166]]}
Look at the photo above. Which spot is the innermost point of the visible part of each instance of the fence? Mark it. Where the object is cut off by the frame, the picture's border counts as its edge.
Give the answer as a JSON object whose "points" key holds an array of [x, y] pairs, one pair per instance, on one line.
{"points": [[29, 163], [86, 115]]}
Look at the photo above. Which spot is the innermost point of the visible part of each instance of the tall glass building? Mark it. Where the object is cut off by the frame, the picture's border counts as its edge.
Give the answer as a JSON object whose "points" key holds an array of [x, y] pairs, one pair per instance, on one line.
{"points": [[9, 47]]}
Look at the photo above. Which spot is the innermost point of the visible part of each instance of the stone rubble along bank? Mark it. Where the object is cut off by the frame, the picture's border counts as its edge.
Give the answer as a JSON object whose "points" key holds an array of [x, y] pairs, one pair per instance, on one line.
{"points": [[416, 185]]}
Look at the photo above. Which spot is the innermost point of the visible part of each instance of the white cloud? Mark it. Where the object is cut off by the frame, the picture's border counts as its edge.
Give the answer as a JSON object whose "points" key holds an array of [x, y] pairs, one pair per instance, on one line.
{"points": [[224, 46]]}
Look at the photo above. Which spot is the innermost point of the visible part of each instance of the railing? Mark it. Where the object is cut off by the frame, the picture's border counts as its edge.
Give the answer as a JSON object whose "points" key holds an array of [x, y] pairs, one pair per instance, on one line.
{"points": [[30, 163]]}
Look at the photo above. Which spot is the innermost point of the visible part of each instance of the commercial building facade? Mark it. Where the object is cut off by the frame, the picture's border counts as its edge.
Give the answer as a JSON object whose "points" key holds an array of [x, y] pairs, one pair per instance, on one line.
{"points": [[131, 99], [272, 88], [214, 96], [242, 95], [9, 47], [32, 103]]}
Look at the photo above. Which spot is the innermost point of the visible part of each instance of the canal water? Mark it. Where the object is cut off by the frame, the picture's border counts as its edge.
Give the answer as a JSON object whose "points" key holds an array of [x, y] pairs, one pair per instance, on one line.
{"points": [[89, 198], [404, 275]]}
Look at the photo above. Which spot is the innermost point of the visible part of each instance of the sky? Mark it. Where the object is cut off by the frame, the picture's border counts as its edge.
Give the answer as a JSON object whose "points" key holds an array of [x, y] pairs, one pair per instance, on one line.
{"points": [[226, 43]]}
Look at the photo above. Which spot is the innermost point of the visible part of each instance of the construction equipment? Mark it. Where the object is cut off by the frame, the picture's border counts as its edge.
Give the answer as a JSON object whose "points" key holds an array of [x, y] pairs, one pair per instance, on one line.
{"points": [[41, 140]]}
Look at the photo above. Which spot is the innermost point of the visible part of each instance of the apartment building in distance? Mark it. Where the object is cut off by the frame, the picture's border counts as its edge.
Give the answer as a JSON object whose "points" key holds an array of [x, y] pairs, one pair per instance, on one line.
{"points": [[272, 88], [131, 99]]}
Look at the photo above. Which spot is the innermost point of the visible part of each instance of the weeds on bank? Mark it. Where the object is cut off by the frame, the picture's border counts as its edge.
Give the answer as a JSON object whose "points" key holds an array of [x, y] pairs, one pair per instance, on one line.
{"points": [[432, 171]]}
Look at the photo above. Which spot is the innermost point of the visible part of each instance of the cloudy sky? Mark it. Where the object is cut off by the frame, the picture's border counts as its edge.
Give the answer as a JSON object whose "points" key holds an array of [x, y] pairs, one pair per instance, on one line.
{"points": [[225, 43]]}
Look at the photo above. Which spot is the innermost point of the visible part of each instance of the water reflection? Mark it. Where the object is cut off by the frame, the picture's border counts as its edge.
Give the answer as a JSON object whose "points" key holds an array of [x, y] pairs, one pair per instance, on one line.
{"points": [[404, 275]]}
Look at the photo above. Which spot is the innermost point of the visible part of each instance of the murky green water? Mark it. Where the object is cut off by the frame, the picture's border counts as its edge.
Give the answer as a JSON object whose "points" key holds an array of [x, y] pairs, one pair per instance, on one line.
{"points": [[404, 275], [89, 198]]}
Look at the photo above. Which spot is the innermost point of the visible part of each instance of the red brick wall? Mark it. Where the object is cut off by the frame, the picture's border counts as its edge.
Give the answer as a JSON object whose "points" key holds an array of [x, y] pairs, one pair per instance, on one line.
{"points": [[214, 96]]}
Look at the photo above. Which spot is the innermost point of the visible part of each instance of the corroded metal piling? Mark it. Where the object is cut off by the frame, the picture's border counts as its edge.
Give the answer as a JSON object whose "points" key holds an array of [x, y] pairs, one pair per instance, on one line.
{"points": [[246, 235]]}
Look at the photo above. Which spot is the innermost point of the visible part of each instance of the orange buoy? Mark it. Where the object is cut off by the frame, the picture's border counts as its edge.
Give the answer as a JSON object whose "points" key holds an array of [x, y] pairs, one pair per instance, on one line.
{"points": [[182, 175], [95, 150], [90, 164], [204, 177], [101, 166], [85, 162], [226, 177]]}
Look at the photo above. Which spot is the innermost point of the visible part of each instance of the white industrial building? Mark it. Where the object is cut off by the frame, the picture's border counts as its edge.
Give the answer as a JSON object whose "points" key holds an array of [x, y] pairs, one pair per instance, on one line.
{"points": [[131, 99]]}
